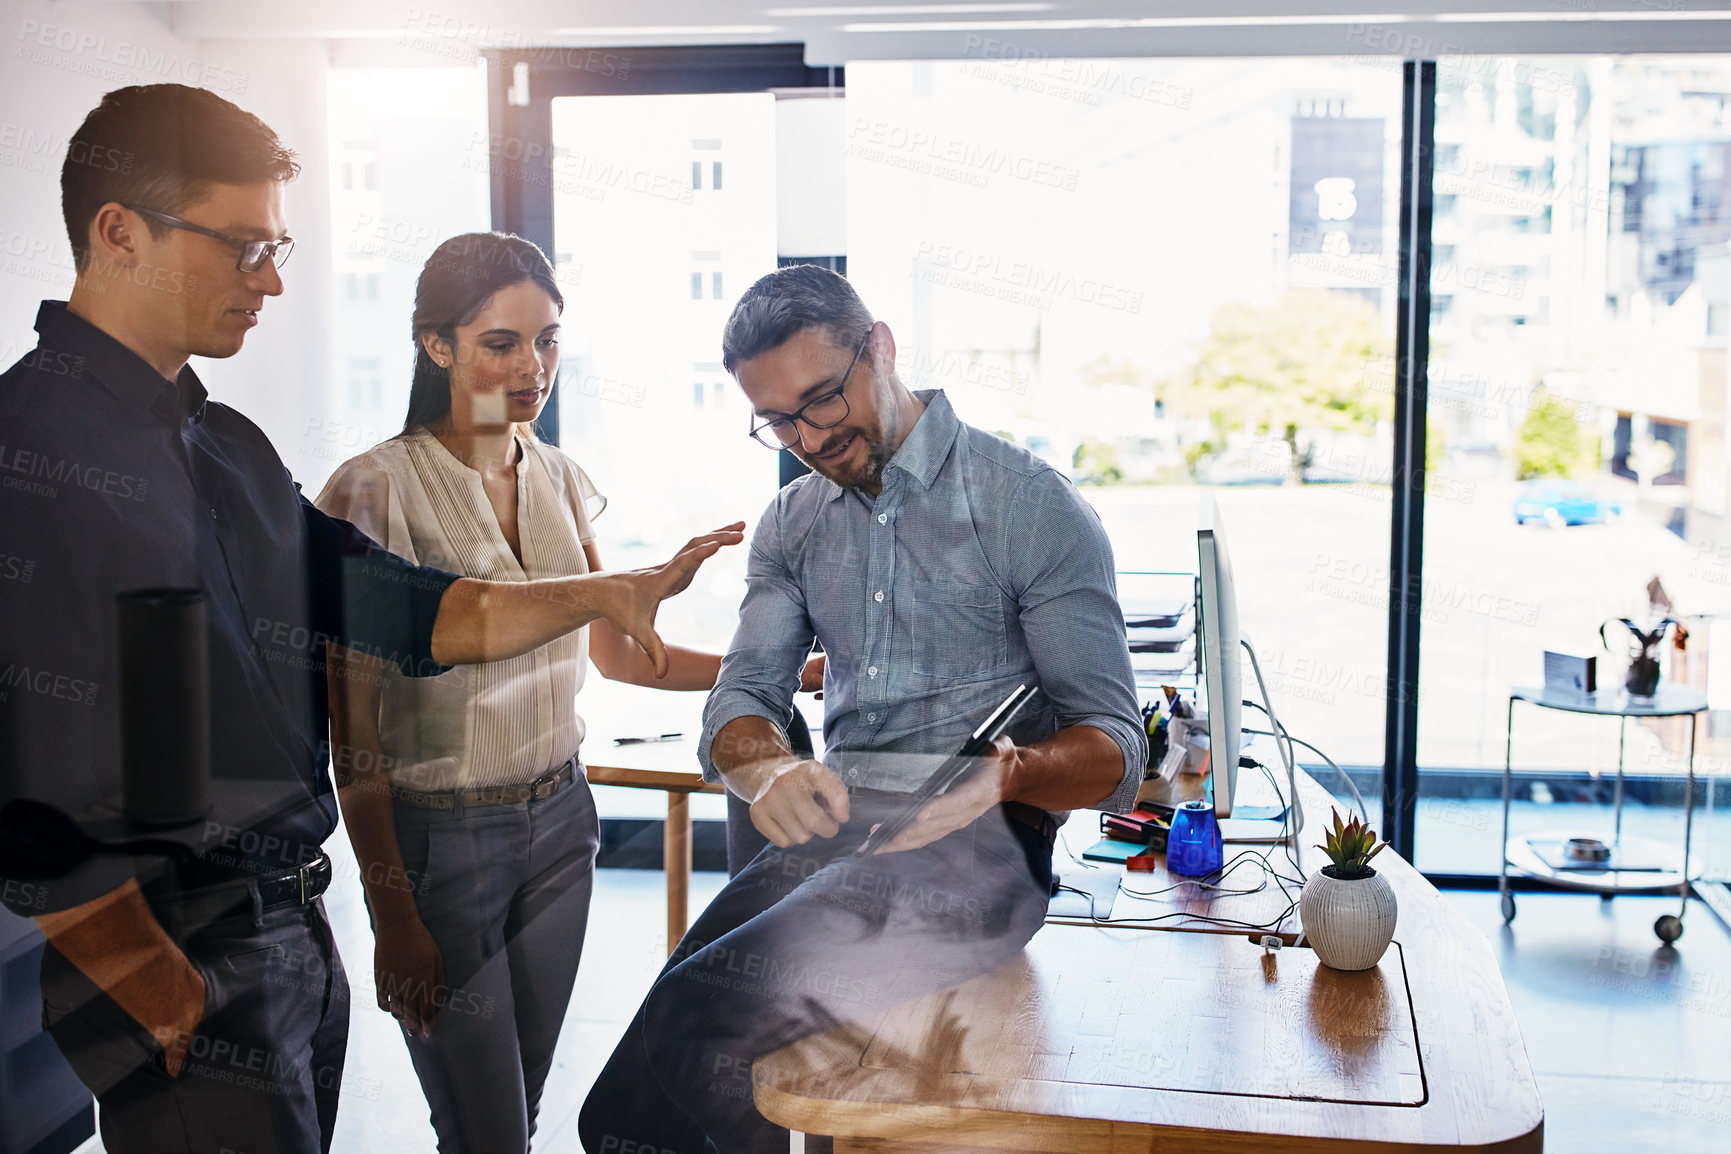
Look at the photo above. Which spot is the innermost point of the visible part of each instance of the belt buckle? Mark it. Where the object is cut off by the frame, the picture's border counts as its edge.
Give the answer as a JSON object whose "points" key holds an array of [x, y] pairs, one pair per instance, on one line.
{"points": [[548, 782], [304, 876]]}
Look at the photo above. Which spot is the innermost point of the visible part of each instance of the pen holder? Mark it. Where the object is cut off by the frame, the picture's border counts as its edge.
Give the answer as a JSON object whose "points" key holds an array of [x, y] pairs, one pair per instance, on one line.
{"points": [[1193, 848]]}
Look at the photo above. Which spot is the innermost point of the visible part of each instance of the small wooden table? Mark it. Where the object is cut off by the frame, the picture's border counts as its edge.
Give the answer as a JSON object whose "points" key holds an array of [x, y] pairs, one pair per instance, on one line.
{"points": [[1115, 1039], [618, 710], [665, 765]]}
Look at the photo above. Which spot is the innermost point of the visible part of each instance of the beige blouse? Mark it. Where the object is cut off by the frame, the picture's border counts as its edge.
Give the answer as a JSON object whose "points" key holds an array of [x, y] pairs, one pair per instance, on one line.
{"points": [[501, 722]]}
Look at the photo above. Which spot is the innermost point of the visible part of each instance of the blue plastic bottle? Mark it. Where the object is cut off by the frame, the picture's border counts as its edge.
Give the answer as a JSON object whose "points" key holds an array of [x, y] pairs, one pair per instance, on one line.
{"points": [[1193, 848]]}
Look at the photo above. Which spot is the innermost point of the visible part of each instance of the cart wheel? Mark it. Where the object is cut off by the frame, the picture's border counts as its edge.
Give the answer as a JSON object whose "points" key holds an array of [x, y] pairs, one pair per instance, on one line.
{"points": [[1669, 927], [1508, 908]]}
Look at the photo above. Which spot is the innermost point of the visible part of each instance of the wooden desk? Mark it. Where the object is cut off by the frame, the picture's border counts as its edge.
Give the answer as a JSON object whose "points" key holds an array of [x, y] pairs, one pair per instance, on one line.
{"points": [[664, 765], [1110, 1039], [619, 710]]}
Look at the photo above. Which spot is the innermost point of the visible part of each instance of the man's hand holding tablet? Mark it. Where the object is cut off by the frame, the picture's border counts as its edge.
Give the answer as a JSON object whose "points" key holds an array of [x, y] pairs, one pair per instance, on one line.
{"points": [[796, 799], [968, 783], [987, 787]]}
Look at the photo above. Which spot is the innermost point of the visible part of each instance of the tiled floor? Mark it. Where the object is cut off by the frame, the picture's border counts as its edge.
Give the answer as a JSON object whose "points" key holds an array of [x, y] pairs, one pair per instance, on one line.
{"points": [[621, 956], [1631, 1044]]}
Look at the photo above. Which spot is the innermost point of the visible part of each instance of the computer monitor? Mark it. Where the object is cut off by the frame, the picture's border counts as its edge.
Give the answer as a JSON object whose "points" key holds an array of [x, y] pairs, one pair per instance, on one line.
{"points": [[1222, 682], [1222, 672]]}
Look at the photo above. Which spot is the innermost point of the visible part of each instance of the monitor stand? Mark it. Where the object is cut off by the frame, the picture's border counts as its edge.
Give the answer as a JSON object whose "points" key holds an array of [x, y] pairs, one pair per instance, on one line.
{"points": [[1249, 824], [1243, 830], [1258, 815]]}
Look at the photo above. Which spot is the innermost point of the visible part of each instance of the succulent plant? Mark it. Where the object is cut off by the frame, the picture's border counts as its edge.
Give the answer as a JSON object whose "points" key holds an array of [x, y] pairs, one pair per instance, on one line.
{"points": [[1350, 847]]}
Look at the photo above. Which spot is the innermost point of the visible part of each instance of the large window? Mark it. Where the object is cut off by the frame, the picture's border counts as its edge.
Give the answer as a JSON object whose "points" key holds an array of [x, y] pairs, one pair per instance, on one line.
{"points": [[658, 190], [1179, 280], [1174, 280], [1577, 437], [650, 254]]}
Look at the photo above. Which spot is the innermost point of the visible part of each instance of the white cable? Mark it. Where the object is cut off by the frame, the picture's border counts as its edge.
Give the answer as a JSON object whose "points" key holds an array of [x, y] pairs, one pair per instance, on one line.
{"points": [[1344, 776], [1285, 747]]}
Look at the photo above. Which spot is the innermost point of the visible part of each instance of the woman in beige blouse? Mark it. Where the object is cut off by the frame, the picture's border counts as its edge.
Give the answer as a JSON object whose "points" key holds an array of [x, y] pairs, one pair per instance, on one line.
{"points": [[464, 794]]}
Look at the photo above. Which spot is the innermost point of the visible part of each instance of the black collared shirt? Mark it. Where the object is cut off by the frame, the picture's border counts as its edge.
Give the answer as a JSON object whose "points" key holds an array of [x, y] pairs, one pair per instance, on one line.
{"points": [[113, 478]]}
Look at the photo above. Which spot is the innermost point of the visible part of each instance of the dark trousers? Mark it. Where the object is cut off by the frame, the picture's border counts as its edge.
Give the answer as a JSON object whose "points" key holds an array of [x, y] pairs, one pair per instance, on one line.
{"points": [[263, 1071], [802, 939]]}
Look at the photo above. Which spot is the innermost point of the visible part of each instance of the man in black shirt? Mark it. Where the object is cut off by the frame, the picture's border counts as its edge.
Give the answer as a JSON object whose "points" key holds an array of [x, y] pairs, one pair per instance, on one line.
{"points": [[207, 1011]]}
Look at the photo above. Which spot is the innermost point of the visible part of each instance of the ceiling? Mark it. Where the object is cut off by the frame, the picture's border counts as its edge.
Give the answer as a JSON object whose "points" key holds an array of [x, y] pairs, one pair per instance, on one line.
{"points": [[835, 33]]}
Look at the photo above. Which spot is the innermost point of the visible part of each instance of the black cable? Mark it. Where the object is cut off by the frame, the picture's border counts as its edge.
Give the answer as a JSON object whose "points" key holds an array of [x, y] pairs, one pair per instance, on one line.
{"points": [[1206, 919], [1287, 834], [1286, 837], [1226, 868], [1084, 863], [1084, 893], [1238, 859], [1272, 926], [1261, 858]]}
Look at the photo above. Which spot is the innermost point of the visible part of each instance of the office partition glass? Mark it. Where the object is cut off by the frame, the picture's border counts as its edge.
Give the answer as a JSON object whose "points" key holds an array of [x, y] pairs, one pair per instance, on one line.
{"points": [[664, 211], [653, 245], [1576, 417], [1173, 280], [408, 168]]}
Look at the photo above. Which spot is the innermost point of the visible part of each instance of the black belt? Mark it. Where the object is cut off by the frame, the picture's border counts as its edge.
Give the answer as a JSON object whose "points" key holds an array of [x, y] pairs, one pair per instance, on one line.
{"points": [[1019, 812], [1034, 818], [275, 891]]}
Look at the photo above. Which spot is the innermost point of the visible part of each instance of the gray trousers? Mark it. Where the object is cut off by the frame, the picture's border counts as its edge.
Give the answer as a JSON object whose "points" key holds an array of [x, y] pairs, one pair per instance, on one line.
{"points": [[504, 891]]}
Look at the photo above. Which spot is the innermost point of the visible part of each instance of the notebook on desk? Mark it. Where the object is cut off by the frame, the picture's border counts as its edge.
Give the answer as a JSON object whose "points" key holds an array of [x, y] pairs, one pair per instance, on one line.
{"points": [[1098, 890]]}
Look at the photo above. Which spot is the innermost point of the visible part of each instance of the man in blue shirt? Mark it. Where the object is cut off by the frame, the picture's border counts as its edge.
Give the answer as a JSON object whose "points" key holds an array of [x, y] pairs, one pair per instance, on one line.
{"points": [[940, 566]]}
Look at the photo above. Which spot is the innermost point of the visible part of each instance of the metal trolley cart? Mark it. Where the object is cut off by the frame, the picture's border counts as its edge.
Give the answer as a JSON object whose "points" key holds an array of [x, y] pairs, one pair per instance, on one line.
{"points": [[1647, 865]]}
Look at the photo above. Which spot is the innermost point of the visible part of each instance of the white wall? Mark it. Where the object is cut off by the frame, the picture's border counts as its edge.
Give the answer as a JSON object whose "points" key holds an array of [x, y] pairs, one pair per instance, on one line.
{"points": [[59, 59], [287, 370]]}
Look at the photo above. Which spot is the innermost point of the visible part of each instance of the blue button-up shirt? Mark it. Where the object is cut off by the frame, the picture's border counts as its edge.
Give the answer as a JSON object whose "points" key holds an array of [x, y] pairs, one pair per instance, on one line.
{"points": [[979, 567]]}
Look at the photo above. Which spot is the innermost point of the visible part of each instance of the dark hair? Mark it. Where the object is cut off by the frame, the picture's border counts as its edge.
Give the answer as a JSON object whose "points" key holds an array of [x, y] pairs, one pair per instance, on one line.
{"points": [[162, 146], [455, 285], [788, 301]]}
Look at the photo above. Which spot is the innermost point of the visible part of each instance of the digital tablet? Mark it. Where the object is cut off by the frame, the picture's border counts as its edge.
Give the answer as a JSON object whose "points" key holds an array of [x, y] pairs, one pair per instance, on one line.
{"points": [[953, 770]]}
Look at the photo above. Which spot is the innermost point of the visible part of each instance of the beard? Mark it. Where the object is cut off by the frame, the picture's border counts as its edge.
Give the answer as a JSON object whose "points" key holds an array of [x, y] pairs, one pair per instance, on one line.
{"points": [[878, 452]]}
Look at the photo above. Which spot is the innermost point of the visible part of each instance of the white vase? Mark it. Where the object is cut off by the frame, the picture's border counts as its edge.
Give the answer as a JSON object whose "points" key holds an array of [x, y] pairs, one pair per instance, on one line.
{"points": [[1348, 922]]}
